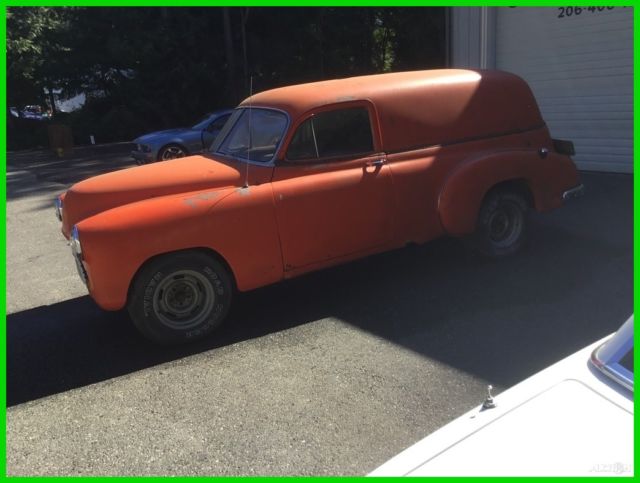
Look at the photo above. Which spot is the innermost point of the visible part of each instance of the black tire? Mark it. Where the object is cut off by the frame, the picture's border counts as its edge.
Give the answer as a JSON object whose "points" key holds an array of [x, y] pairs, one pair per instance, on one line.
{"points": [[180, 297], [502, 226], [172, 151]]}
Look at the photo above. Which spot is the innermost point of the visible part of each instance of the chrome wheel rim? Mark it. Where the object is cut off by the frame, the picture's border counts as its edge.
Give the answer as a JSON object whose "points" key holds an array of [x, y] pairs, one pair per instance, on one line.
{"points": [[184, 300], [172, 152]]}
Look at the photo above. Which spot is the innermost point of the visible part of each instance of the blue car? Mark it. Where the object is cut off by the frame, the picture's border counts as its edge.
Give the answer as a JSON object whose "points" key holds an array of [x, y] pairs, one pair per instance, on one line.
{"points": [[180, 142]]}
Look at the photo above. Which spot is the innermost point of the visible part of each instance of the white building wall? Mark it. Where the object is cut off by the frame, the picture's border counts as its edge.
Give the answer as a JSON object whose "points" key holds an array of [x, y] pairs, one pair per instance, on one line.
{"points": [[473, 39], [579, 66]]}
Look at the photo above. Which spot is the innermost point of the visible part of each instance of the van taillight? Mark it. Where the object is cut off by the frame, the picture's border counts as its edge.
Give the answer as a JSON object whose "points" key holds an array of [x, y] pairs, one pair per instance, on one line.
{"points": [[563, 147]]}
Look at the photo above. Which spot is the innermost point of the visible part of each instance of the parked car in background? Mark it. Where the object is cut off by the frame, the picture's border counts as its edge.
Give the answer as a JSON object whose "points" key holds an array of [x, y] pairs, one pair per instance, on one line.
{"points": [[180, 142], [33, 112], [309, 176], [574, 418]]}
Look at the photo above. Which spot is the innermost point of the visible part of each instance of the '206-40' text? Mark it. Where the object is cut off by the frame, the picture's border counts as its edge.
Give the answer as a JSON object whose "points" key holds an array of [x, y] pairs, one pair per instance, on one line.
{"points": [[564, 12]]}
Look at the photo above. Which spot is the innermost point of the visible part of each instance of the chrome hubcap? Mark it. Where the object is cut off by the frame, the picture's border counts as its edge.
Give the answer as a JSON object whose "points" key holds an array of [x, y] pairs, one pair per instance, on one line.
{"points": [[184, 299], [505, 225], [172, 152]]}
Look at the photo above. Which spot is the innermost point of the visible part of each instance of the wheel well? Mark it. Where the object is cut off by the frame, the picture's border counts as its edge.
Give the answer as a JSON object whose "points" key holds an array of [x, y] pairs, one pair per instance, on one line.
{"points": [[204, 250], [519, 185]]}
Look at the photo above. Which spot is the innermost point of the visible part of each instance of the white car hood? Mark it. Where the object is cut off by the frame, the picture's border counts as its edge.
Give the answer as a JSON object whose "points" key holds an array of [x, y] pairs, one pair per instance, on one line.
{"points": [[568, 420]]}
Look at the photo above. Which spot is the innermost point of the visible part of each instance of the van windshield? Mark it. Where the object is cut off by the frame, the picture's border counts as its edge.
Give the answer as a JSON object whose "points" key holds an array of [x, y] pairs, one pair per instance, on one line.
{"points": [[251, 134]]}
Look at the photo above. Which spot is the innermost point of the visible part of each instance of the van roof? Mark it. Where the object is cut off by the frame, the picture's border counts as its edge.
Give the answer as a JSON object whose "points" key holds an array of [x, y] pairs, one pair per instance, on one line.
{"points": [[421, 108], [303, 97]]}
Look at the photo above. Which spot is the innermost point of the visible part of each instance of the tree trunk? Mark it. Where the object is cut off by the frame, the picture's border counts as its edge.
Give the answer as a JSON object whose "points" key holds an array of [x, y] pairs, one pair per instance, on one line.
{"points": [[52, 101]]}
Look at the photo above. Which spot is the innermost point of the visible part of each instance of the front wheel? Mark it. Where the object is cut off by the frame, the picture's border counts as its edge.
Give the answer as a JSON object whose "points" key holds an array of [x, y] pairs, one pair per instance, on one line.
{"points": [[180, 297], [171, 151], [502, 224]]}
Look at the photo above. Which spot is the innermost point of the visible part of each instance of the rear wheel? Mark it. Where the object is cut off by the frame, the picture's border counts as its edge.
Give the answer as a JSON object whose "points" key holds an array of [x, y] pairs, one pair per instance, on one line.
{"points": [[180, 297], [502, 224]]}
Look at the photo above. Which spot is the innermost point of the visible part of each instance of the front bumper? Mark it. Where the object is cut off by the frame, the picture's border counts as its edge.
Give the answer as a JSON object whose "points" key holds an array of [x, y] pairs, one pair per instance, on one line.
{"points": [[76, 251], [573, 193], [81, 270], [58, 208]]}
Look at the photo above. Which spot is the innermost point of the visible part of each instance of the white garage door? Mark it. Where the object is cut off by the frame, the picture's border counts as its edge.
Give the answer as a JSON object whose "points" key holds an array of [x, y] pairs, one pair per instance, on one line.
{"points": [[579, 63]]}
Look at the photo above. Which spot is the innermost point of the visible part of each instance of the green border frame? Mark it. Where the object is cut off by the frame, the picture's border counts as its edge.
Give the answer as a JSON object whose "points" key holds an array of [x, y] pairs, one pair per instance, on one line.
{"points": [[274, 3], [298, 3]]}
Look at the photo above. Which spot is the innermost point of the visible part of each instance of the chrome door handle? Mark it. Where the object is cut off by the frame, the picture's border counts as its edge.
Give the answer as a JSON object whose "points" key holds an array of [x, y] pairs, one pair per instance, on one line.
{"points": [[377, 162]]}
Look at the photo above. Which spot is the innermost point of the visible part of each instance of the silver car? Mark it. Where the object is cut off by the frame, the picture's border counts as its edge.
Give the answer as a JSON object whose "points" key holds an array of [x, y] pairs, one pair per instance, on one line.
{"points": [[180, 142]]}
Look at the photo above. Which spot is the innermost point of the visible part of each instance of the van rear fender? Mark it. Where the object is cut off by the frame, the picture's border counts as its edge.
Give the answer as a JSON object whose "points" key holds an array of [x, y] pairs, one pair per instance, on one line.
{"points": [[540, 179]]}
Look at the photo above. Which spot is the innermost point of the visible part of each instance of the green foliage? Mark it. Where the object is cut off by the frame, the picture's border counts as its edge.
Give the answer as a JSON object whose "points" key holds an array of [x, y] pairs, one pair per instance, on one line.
{"points": [[25, 134], [149, 68], [105, 121], [34, 41]]}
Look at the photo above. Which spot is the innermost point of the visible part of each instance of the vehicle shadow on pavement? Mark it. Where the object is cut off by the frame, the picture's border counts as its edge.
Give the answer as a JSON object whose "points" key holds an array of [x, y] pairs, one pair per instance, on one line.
{"points": [[55, 348], [498, 320]]}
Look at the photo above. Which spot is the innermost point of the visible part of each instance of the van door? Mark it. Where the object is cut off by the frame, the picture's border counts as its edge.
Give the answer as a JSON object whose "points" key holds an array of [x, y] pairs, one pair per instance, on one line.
{"points": [[333, 193]]}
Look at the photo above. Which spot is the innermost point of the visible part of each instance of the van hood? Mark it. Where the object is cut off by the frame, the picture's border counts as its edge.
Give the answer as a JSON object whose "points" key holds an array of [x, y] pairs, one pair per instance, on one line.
{"points": [[118, 188]]}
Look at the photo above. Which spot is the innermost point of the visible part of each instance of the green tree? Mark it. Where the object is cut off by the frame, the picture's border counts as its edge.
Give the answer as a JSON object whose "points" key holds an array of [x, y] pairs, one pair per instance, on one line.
{"points": [[34, 43], [148, 68]]}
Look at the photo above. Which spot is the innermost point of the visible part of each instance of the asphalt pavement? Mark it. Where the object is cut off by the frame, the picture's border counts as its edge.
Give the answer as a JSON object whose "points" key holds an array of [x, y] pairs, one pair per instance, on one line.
{"points": [[328, 374]]}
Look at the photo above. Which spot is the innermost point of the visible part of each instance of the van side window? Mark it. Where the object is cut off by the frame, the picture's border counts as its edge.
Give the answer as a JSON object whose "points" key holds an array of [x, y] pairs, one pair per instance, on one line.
{"points": [[344, 132]]}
